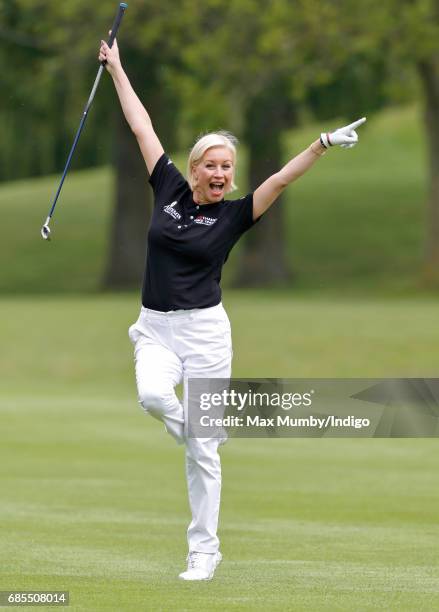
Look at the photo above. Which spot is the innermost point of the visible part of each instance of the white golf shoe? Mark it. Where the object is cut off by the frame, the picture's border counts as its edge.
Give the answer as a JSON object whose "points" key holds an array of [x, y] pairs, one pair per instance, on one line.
{"points": [[201, 566]]}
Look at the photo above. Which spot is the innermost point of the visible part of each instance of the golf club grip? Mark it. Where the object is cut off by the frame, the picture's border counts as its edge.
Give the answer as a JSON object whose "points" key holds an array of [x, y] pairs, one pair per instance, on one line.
{"points": [[114, 28]]}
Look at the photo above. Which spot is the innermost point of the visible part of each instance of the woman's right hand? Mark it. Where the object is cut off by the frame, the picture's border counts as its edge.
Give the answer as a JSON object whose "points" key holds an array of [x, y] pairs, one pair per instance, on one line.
{"points": [[111, 56]]}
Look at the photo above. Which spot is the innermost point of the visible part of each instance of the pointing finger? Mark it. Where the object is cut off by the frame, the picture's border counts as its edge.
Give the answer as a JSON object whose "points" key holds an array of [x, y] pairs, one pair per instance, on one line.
{"points": [[355, 124]]}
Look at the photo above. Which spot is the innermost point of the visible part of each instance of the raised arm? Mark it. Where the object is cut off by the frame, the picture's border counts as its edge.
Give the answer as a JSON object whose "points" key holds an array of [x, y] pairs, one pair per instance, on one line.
{"points": [[134, 111], [269, 190]]}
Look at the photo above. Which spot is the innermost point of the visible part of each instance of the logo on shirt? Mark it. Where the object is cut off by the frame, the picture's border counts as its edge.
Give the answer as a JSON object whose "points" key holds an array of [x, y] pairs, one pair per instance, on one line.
{"points": [[170, 210], [203, 220]]}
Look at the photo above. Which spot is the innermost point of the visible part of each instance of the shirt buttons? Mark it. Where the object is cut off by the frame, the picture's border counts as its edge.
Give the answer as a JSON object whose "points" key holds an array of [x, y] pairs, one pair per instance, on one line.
{"points": [[192, 216], [198, 207]]}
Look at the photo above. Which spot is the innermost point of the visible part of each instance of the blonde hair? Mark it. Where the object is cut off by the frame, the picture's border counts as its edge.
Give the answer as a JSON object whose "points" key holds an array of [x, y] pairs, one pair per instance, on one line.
{"points": [[205, 142]]}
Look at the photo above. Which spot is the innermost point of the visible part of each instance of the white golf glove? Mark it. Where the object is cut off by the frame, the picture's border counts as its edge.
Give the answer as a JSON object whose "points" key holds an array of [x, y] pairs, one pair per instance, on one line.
{"points": [[346, 136]]}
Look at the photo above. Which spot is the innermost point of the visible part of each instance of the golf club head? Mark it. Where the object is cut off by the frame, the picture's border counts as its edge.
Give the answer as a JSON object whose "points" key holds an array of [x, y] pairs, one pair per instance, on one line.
{"points": [[45, 231]]}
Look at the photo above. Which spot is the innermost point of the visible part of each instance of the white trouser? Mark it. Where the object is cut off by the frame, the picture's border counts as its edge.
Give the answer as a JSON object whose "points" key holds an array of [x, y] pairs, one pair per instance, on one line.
{"points": [[171, 347]]}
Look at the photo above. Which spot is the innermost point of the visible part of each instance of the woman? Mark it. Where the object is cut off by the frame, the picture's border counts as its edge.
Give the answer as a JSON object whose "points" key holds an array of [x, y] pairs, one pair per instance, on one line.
{"points": [[183, 330]]}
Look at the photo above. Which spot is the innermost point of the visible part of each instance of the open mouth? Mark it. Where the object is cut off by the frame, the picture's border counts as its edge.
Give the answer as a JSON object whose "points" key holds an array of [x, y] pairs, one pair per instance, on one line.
{"points": [[217, 188]]}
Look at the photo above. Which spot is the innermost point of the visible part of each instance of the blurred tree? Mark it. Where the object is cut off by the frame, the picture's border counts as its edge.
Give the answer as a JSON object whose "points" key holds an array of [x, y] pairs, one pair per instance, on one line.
{"points": [[133, 205], [21, 53], [407, 32], [149, 43], [421, 22], [267, 115], [43, 86]]}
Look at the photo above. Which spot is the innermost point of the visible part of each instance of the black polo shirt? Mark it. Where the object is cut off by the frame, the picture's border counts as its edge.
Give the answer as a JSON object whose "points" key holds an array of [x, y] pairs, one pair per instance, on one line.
{"points": [[188, 243]]}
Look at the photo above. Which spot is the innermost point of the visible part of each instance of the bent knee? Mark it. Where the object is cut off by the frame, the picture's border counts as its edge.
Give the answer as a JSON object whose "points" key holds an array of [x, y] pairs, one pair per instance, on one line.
{"points": [[156, 400]]}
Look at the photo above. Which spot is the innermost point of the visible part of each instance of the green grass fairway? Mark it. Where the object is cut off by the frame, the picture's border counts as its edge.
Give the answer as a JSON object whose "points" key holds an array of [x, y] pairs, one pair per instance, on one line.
{"points": [[93, 494]]}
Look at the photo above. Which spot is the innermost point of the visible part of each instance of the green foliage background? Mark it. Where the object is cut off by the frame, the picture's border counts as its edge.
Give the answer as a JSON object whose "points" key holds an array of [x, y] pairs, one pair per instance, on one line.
{"points": [[356, 222]]}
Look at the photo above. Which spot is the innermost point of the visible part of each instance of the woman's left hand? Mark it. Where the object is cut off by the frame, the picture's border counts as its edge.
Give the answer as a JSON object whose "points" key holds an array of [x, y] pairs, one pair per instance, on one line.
{"points": [[346, 136]]}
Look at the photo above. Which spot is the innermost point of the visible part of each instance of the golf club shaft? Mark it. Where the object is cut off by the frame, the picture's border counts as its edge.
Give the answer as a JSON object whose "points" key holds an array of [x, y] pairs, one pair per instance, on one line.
{"points": [[114, 29], [78, 134]]}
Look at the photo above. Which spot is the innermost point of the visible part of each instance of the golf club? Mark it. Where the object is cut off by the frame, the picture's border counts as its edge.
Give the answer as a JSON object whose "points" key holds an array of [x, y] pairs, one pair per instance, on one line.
{"points": [[45, 230]]}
